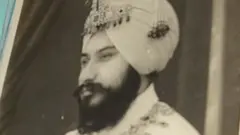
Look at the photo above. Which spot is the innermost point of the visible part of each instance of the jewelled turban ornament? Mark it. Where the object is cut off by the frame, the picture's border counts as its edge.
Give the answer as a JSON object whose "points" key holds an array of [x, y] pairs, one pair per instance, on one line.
{"points": [[145, 32], [104, 16]]}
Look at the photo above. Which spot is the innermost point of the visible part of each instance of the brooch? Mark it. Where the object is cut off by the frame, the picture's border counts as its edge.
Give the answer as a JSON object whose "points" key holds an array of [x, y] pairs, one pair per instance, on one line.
{"points": [[159, 30]]}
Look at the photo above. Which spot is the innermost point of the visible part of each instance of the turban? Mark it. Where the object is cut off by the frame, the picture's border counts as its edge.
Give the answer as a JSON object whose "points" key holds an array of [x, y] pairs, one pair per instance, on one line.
{"points": [[145, 32]]}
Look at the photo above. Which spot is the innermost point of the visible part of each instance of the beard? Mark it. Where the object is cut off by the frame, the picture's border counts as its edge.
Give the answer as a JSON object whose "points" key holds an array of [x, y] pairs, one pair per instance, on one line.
{"points": [[112, 107]]}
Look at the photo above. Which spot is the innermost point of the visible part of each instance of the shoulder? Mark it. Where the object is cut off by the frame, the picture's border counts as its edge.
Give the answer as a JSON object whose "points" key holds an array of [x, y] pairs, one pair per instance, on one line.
{"points": [[167, 121]]}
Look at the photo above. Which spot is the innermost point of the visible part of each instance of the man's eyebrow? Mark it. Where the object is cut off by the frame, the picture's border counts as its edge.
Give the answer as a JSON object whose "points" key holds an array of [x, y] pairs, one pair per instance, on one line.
{"points": [[84, 55], [106, 48]]}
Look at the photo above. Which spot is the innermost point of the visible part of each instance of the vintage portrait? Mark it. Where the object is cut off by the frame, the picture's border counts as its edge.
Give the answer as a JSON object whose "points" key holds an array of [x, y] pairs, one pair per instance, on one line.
{"points": [[120, 67], [126, 44]]}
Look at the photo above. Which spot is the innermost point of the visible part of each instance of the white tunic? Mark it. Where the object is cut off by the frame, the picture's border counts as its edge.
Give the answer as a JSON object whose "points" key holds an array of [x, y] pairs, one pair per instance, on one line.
{"points": [[148, 116]]}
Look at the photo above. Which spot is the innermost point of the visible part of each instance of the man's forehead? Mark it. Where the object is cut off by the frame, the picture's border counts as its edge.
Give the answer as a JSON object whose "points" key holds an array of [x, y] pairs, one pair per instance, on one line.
{"points": [[96, 42]]}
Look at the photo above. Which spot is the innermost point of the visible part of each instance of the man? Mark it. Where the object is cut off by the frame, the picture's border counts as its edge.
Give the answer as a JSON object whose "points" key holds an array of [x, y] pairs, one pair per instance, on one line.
{"points": [[126, 44]]}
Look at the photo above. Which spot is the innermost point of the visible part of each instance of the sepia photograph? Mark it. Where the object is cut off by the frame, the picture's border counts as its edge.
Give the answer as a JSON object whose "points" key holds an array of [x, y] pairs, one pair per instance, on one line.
{"points": [[119, 67]]}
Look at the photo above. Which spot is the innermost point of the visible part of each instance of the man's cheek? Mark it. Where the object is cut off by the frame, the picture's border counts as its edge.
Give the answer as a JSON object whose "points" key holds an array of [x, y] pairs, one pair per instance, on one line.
{"points": [[108, 78], [111, 77]]}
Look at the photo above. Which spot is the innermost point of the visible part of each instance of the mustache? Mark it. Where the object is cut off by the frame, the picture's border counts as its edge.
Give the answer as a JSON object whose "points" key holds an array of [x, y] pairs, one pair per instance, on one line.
{"points": [[88, 87]]}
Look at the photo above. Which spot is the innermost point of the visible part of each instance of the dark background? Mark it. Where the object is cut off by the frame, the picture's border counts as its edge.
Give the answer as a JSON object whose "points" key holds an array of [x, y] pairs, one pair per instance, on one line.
{"points": [[45, 65]]}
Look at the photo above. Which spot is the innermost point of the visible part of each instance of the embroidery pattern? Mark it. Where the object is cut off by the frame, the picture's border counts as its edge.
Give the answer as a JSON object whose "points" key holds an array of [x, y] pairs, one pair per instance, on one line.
{"points": [[150, 118]]}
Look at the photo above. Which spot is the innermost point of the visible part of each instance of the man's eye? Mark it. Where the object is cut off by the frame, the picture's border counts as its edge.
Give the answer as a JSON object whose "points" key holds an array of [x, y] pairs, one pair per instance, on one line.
{"points": [[84, 62], [105, 57]]}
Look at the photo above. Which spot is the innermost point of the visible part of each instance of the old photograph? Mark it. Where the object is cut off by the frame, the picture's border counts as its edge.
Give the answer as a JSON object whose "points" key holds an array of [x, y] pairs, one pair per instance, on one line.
{"points": [[120, 67]]}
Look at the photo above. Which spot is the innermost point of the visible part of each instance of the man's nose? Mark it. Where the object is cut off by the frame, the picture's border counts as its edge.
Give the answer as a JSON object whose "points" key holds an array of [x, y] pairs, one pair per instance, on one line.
{"points": [[88, 74]]}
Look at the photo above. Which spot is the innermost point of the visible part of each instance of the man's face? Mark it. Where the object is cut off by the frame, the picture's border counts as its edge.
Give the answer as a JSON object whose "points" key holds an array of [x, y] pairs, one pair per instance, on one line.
{"points": [[103, 70]]}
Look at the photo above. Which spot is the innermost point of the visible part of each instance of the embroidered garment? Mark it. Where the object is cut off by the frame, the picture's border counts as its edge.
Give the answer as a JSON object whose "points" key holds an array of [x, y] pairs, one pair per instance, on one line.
{"points": [[148, 116]]}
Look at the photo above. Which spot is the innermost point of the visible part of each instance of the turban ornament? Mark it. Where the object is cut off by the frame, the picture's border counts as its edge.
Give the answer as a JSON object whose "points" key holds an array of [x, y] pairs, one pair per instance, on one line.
{"points": [[103, 17]]}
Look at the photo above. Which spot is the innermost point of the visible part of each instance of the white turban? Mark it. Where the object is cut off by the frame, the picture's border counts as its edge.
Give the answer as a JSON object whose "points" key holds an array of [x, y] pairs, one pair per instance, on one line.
{"points": [[131, 39]]}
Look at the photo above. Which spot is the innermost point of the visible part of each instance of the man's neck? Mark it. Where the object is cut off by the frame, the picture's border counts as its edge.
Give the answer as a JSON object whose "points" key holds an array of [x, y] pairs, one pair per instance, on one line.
{"points": [[145, 83]]}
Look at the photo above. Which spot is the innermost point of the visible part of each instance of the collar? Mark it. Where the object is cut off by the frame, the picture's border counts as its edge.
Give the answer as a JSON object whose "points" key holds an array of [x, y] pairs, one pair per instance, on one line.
{"points": [[141, 106]]}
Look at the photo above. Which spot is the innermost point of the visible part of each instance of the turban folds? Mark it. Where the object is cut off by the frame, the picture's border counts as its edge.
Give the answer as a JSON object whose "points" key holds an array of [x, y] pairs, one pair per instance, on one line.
{"points": [[145, 54]]}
